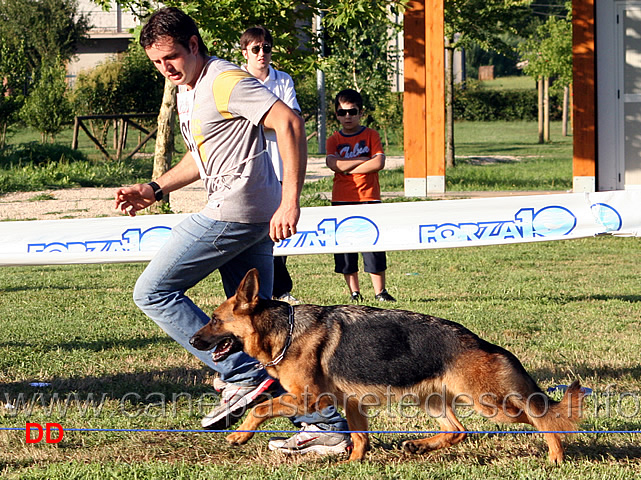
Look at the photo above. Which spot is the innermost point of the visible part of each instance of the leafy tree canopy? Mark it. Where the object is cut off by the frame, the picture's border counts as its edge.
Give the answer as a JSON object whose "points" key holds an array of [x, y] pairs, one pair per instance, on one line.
{"points": [[33, 32], [548, 51], [483, 22], [291, 22]]}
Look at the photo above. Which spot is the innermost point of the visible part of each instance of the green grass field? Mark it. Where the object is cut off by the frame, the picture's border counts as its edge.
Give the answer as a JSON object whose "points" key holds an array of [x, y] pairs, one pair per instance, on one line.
{"points": [[567, 309], [522, 82]]}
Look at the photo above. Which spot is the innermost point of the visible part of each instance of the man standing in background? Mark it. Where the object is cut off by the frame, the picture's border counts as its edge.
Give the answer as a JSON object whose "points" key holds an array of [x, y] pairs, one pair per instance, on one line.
{"points": [[257, 44]]}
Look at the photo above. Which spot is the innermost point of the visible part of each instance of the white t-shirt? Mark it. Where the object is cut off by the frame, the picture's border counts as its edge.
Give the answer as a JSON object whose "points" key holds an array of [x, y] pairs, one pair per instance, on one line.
{"points": [[281, 85]]}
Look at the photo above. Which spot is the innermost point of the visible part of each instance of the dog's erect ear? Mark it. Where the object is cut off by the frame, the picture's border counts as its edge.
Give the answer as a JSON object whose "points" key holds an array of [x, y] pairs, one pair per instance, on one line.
{"points": [[247, 293]]}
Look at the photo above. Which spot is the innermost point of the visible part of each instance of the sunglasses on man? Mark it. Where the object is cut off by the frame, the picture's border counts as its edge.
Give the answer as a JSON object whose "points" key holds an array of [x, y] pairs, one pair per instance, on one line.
{"points": [[341, 112], [265, 47]]}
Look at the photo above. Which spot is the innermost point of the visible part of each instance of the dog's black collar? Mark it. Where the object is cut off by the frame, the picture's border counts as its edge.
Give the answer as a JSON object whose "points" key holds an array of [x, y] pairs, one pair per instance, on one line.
{"points": [[288, 342]]}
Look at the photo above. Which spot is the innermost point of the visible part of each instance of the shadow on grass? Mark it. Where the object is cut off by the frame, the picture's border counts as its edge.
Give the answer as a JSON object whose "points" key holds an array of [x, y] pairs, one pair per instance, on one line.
{"points": [[585, 371], [597, 447], [600, 450], [92, 346], [558, 299], [146, 387]]}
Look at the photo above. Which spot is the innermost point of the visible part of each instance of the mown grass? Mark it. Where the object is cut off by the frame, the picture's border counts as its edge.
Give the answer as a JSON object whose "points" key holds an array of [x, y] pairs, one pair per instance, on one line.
{"points": [[567, 309], [519, 161], [523, 163], [521, 82]]}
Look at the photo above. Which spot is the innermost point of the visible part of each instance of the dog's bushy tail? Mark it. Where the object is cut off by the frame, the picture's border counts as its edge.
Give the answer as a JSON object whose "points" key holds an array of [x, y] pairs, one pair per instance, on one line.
{"points": [[562, 416]]}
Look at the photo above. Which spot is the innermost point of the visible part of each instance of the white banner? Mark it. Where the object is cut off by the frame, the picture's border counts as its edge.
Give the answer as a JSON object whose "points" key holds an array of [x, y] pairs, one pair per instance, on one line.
{"points": [[357, 228]]}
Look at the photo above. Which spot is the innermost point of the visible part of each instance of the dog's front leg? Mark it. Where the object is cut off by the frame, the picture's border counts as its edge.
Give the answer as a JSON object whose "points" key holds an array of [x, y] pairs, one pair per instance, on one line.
{"points": [[274, 407], [357, 421]]}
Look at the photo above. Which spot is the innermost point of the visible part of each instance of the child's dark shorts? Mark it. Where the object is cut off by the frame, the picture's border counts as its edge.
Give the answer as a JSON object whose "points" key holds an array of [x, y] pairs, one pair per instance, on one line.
{"points": [[373, 262], [347, 263]]}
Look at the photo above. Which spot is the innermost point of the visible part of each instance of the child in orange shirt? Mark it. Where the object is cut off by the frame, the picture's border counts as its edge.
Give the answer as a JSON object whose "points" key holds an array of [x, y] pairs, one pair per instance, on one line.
{"points": [[355, 155]]}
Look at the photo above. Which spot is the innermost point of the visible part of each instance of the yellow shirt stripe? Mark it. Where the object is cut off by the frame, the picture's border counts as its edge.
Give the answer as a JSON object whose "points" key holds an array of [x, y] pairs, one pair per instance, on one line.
{"points": [[222, 88]]}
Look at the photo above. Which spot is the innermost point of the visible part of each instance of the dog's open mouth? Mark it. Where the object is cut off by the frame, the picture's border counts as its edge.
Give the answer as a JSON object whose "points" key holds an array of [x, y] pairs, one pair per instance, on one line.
{"points": [[223, 349]]}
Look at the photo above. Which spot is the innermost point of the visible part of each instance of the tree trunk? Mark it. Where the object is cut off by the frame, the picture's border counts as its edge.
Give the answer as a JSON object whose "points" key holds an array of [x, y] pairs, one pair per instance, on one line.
{"points": [[546, 109], [540, 110], [165, 137], [449, 105], [571, 94], [566, 98]]}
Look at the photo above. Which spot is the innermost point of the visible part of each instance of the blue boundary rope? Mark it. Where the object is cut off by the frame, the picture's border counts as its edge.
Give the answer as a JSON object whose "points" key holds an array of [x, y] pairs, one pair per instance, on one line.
{"points": [[422, 432]]}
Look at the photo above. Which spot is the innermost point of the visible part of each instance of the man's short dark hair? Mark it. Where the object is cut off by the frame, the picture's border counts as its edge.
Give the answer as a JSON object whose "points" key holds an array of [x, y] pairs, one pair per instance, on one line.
{"points": [[174, 23], [255, 34], [348, 96]]}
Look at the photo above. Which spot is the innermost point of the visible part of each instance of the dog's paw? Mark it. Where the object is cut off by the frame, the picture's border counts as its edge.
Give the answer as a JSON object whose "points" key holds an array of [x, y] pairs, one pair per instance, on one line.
{"points": [[415, 448], [355, 457], [556, 458], [239, 438]]}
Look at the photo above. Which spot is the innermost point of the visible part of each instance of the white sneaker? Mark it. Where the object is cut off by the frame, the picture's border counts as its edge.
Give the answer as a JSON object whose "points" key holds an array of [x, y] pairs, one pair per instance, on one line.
{"points": [[310, 438], [235, 401], [289, 298]]}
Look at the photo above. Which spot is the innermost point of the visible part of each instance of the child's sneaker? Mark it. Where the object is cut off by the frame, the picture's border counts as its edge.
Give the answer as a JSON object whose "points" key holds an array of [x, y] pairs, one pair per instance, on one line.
{"points": [[384, 296], [357, 297]]}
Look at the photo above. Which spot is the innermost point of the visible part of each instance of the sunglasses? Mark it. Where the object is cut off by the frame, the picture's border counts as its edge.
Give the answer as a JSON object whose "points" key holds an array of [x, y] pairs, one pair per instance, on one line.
{"points": [[266, 48], [341, 112]]}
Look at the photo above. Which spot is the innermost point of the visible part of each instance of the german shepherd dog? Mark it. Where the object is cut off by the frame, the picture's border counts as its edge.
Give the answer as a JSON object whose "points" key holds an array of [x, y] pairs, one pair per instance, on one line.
{"points": [[345, 354]]}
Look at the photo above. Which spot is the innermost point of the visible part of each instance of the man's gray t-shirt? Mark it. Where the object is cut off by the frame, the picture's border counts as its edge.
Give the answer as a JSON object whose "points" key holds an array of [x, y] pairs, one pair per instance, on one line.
{"points": [[225, 125]]}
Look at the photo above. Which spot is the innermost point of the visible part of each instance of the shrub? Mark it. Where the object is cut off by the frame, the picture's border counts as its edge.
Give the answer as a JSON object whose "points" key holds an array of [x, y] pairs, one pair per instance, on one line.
{"points": [[47, 109], [34, 166], [476, 104], [115, 86]]}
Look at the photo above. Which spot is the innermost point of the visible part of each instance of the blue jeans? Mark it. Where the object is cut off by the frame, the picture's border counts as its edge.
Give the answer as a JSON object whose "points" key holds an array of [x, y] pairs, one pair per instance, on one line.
{"points": [[198, 246]]}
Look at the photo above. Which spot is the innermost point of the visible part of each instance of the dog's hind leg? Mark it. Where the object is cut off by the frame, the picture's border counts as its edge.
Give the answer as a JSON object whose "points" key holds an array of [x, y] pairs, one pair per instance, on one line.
{"points": [[503, 391], [448, 423], [358, 424]]}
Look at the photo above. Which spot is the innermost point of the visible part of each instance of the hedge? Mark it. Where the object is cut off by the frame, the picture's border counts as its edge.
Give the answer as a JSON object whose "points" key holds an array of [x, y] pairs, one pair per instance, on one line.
{"points": [[489, 105]]}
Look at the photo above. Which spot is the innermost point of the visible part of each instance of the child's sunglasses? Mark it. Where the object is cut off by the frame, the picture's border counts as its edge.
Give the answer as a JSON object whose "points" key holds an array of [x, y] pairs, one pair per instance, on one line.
{"points": [[341, 112], [266, 47]]}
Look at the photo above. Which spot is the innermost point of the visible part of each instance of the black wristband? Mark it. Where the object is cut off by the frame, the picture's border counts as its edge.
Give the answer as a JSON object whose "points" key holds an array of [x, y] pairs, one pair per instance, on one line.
{"points": [[157, 191]]}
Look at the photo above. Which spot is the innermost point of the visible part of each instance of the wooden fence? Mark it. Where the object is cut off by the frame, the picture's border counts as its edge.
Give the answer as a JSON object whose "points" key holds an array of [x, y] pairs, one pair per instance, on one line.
{"points": [[121, 128]]}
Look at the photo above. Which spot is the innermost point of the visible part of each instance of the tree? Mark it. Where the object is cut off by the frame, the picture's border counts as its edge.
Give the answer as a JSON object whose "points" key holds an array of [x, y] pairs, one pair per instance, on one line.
{"points": [[12, 71], [548, 53], [290, 22], [480, 22], [34, 33], [42, 31], [48, 109], [361, 58]]}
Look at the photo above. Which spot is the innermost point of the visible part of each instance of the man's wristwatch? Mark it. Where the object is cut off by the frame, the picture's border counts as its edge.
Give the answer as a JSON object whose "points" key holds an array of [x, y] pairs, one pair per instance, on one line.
{"points": [[157, 191]]}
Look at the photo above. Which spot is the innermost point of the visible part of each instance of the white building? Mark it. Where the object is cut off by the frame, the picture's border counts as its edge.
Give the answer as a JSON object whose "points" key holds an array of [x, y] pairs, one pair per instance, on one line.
{"points": [[110, 34]]}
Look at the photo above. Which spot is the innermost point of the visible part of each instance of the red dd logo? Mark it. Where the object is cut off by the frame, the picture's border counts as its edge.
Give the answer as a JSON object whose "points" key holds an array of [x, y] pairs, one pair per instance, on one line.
{"points": [[47, 432]]}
